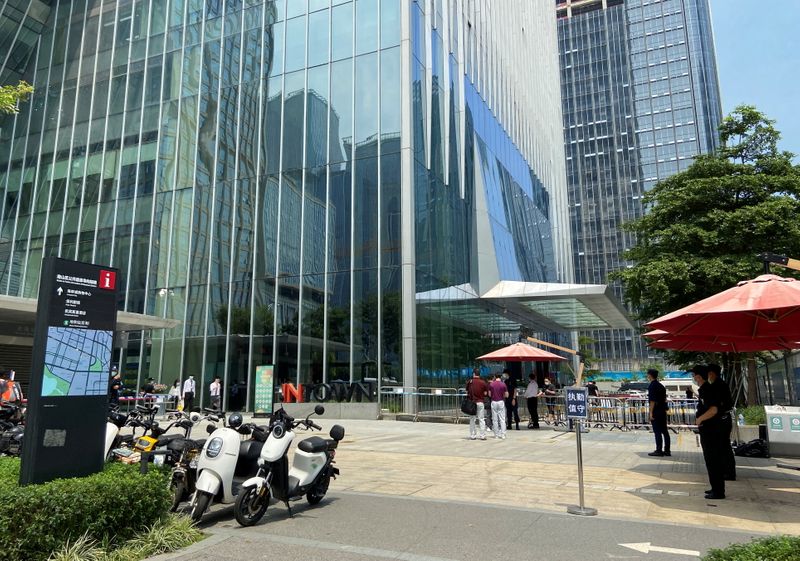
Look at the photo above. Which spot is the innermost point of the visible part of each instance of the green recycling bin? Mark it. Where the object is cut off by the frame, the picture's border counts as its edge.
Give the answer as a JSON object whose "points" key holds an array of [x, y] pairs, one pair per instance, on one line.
{"points": [[783, 430]]}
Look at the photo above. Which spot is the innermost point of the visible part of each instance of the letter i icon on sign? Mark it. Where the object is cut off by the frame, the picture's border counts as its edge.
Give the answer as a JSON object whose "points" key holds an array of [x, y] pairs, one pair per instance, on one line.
{"points": [[108, 280]]}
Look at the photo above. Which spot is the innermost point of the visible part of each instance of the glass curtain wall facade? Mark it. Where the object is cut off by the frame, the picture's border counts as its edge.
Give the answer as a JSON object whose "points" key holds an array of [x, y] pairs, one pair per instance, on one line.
{"points": [[262, 171], [640, 100]]}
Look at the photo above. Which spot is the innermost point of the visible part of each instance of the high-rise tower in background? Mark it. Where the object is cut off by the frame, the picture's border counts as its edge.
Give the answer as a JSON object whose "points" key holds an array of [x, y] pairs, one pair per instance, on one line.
{"points": [[344, 189], [641, 99]]}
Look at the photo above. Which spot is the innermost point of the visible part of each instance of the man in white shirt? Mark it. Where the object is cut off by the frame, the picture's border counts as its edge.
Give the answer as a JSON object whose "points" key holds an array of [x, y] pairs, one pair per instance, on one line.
{"points": [[214, 388], [531, 393], [188, 394]]}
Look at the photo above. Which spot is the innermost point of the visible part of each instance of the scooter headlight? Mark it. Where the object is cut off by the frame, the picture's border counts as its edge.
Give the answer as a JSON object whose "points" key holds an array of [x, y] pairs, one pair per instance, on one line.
{"points": [[214, 447]]}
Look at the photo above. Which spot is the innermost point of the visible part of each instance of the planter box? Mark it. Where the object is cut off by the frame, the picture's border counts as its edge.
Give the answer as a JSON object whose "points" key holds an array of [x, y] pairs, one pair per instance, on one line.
{"points": [[746, 433], [335, 410]]}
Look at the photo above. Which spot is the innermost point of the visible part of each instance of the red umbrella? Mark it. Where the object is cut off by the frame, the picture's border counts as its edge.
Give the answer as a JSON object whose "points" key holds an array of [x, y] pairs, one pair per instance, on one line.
{"points": [[722, 344], [521, 352], [657, 334], [766, 307]]}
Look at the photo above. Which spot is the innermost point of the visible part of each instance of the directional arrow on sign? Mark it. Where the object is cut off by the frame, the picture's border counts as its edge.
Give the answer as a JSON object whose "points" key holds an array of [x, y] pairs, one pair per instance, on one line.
{"points": [[59, 291], [647, 548]]}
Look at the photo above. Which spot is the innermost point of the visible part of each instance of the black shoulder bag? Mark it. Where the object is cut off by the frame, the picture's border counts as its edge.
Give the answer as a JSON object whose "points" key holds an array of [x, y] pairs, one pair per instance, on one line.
{"points": [[469, 407]]}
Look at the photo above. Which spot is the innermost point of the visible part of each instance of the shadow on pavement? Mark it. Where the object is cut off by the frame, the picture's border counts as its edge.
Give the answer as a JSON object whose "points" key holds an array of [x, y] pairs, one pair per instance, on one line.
{"points": [[276, 511]]}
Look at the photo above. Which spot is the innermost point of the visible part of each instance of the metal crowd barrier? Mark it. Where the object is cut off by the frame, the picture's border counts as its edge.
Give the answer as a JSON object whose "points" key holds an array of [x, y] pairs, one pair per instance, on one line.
{"points": [[620, 413]]}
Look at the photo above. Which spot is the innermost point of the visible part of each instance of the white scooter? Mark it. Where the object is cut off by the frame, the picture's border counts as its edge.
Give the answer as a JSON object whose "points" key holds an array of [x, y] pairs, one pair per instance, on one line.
{"points": [[114, 424], [225, 463], [310, 474]]}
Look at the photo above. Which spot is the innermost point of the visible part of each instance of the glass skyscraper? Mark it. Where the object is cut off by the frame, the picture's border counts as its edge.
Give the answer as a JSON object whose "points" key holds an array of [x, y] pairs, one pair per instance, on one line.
{"points": [[328, 186], [640, 100]]}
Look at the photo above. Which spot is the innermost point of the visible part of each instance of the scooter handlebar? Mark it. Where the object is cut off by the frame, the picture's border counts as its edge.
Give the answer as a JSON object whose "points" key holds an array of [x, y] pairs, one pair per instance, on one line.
{"points": [[310, 424]]}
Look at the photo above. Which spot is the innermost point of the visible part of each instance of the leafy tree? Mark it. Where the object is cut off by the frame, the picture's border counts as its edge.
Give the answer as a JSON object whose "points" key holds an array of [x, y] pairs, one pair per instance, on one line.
{"points": [[590, 360], [705, 225], [10, 96]]}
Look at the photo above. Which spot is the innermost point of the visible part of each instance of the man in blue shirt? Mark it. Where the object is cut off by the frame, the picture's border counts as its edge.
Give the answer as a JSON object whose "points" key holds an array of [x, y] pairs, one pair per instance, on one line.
{"points": [[657, 396]]}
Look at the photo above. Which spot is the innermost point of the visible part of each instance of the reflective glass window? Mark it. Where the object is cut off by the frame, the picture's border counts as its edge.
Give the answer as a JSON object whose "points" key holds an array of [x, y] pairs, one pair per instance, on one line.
{"points": [[318, 34], [390, 92], [294, 96], [342, 30], [390, 23], [317, 117], [366, 88], [341, 114], [274, 38], [296, 8], [295, 44], [367, 19]]}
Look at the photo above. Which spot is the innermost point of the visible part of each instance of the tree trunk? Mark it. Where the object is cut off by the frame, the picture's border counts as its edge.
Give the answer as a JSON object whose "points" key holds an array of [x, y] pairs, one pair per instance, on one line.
{"points": [[752, 384]]}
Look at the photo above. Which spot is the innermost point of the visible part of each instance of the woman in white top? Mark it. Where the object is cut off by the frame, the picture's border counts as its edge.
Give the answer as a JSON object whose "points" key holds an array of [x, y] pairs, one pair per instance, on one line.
{"points": [[175, 393]]}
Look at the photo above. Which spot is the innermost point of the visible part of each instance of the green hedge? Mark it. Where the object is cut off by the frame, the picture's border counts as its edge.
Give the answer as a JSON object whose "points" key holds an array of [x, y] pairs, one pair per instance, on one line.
{"points": [[753, 415], [773, 548], [110, 506]]}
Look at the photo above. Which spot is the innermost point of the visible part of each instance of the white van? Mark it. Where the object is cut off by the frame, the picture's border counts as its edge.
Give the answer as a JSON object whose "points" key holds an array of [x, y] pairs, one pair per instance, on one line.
{"points": [[676, 387]]}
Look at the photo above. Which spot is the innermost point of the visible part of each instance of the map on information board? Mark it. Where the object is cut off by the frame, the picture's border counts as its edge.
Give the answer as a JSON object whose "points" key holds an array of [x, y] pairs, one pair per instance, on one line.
{"points": [[76, 362]]}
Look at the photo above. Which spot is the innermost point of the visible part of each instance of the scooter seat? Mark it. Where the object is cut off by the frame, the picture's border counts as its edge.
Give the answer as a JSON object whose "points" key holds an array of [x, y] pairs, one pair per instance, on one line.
{"points": [[166, 439], [316, 444]]}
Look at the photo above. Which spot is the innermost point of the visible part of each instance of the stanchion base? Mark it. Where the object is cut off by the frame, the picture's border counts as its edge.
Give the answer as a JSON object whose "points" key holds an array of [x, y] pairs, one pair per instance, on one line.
{"points": [[581, 511]]}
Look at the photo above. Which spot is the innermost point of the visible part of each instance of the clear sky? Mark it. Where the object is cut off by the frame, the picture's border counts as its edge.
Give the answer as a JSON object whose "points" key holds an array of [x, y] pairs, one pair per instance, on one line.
{"points": [[758, 58]]}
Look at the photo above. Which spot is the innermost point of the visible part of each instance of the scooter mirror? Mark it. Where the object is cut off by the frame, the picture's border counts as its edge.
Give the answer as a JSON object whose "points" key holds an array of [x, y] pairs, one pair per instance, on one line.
{"points": [[195, 417], [319, 410], [210, 429]]}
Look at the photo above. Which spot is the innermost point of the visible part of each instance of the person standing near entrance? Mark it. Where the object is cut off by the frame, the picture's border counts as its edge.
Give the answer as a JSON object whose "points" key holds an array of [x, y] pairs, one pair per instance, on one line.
{"points": [[548, 391], [175, 394], [214, 390], [726, 417], [710, 427], [188, 394], [531, 400], [476, 391], [498, 391], [114, 387], [512, 411], [657, 397]]}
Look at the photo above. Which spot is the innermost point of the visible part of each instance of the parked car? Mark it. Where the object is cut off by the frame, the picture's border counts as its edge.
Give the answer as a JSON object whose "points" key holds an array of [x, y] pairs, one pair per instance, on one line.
{"points": [[635, 389], [676, 387]]}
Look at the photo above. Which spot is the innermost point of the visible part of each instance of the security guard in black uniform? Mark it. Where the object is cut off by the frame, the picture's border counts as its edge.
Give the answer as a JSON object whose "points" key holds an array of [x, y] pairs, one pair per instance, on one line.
{"points": [[726, 402], [709, 423]]}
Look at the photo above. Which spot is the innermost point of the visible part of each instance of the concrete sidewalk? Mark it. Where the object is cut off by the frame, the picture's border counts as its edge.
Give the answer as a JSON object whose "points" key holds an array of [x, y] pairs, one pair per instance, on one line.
{"points": [[537, 469]]}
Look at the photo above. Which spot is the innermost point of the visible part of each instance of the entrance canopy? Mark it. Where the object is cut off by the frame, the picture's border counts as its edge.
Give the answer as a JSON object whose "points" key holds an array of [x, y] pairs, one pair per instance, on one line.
{"points": [[18, 315], [542, 307]]}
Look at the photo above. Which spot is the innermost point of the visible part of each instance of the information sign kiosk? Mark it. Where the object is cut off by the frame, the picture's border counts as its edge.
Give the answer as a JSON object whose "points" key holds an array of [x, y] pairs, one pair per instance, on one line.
{"points": [[72, 350]]}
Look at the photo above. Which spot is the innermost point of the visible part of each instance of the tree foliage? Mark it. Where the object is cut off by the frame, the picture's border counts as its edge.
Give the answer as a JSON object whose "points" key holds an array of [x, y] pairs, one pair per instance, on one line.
{"points": [[705, 225], [10, 96]]}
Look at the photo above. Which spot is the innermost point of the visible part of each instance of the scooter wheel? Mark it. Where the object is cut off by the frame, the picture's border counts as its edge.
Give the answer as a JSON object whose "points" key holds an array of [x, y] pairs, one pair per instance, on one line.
{"points": [[251, 504], [316, 494], [200, 506], [178, 489]]}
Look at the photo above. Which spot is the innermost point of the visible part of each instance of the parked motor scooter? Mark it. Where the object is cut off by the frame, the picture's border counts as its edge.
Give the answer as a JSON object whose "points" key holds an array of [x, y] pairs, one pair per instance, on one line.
{"points": [[114, 424], [183, 456], [225, 463], [12, 428], [310, 474]]}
